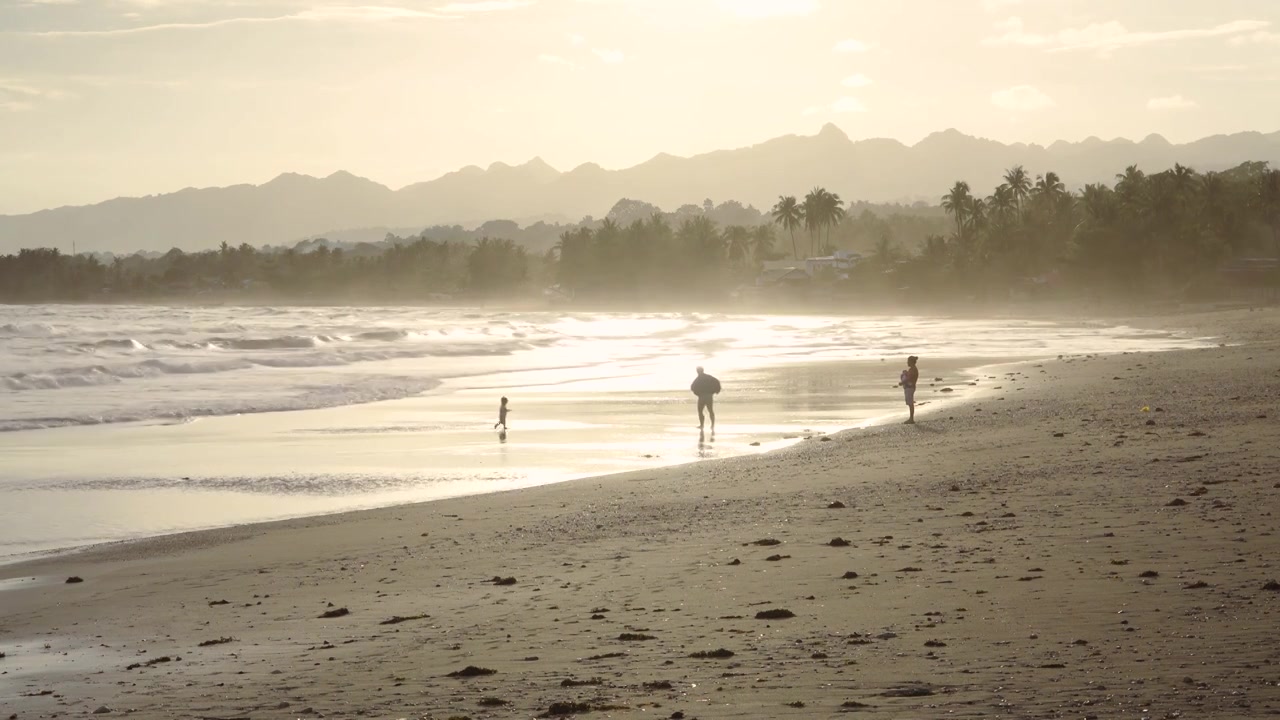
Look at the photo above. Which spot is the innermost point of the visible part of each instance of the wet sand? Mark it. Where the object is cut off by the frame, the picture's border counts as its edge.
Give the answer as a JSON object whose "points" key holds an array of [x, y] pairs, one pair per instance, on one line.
{"points": [[82, 485], [1046, 548]]}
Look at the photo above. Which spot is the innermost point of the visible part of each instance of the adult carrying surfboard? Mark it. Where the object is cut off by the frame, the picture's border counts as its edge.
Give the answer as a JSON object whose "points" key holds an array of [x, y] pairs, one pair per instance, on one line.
{"points": [[706, 387]]}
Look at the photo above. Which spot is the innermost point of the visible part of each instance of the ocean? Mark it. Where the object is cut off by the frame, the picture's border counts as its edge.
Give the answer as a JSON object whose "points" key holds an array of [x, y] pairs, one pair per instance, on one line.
{"points": [[119, 422]]}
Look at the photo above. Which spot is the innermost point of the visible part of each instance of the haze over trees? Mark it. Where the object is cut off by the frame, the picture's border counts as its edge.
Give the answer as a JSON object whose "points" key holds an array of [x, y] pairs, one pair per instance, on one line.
{"points": [[1164, 234]]}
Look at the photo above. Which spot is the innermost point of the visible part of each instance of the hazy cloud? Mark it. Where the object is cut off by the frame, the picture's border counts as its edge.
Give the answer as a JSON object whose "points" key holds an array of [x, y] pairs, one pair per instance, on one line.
{"points": [[613, 57], [848, 105], [1257, 38], [760, 9], [851, 46], [337, 13], [1173, 102], [16, 96], [1108, 36], [482, 6], [856, 81], [556, 60], [577, 40], [1021, 98], [994, 5]]}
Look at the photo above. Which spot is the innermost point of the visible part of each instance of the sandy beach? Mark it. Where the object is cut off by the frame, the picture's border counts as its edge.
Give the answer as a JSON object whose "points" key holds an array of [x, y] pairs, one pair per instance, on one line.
{"points": [[1084, 537]]}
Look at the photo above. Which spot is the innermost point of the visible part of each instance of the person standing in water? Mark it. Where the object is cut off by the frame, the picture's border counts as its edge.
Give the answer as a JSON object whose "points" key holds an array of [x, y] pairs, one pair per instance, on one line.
{"points": [[502, 415], [705, 387], [908, 380]]}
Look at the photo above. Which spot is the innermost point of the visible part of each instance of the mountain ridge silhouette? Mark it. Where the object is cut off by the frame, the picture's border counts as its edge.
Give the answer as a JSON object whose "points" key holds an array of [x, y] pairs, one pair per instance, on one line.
{"points": [[292, 206]]}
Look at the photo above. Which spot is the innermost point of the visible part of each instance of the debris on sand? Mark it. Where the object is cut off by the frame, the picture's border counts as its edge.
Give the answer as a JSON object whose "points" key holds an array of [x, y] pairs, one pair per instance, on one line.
{"points": [[397, 619], [218, 641], [471, 671], [1271, 585], [657, 685], [635, 637], [566, 708], [776, 614], [149, 663], [335, 613], [607, 656], [712, 654], [75, 579], [908, 691], [839, 542], [493, 702], [767, 542], [836, 505], [498, 580]]}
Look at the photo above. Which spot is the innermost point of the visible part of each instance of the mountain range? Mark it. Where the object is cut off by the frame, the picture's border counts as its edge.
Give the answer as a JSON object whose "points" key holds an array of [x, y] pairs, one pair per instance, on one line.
{"points": [[293, 207]]}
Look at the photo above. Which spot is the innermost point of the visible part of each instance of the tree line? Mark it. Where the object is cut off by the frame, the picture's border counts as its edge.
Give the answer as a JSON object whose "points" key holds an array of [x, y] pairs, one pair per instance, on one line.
{"points": [[407, 270], [1160, 233], [1165, 233]]}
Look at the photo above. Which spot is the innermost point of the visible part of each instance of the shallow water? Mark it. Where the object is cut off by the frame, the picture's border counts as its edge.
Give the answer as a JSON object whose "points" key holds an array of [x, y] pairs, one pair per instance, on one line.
{"points": [[130, 421]]}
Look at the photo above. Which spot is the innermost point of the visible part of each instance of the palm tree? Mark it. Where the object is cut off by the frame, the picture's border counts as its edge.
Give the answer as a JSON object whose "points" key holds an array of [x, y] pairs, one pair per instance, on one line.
{"points": [[976, 214], [956, 202], [788, 213], [1098, 203], [1183, 177], [832, 213], [1002, 200], [737, 240], [1131, 185], [1049, 187], [1019, 184], [885, 252], [814, 212], [701, 241], [762, 243]]}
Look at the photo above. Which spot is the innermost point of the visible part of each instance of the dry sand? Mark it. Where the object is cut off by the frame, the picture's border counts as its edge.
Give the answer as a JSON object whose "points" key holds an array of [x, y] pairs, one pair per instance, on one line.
{"points": [[1044, 550]]}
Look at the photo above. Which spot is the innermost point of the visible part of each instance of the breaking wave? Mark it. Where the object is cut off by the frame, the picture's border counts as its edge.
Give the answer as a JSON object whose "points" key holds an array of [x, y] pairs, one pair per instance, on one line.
{"points": [[361, 391]]}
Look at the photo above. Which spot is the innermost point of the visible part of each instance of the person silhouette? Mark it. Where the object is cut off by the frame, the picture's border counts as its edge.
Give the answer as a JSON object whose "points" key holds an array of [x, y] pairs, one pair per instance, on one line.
{"points": [[502, 416], [705, 387], [908, 380]]}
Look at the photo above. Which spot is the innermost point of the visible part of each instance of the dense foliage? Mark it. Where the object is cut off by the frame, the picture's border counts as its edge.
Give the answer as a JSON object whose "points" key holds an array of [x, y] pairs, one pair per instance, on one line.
{"points": [[1160, 233], [416, 270], [1165, 234]]}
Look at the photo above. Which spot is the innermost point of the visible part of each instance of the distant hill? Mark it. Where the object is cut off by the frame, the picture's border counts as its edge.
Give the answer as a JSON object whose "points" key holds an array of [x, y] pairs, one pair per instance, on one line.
{"points": [[292, 207]]}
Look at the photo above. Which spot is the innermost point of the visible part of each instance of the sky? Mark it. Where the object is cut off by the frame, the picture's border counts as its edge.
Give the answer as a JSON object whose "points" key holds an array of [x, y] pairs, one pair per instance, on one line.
{"points": [[106, 98]]}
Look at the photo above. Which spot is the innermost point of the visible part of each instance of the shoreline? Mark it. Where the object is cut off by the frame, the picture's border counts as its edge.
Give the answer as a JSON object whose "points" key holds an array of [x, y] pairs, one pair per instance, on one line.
{"points": [[1072, 308], [1016, 556]]}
